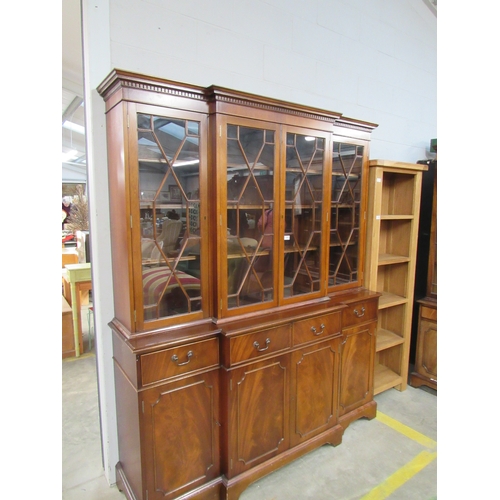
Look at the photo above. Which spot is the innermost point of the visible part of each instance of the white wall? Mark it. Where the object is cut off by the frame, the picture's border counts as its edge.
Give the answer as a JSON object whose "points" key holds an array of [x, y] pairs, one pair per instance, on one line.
{"points": [[373, 60]]}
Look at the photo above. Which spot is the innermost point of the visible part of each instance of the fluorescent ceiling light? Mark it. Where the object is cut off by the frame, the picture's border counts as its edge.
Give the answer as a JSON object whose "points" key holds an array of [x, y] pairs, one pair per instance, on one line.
{"points": [[74, 127], [186, 162], [70, 155]]}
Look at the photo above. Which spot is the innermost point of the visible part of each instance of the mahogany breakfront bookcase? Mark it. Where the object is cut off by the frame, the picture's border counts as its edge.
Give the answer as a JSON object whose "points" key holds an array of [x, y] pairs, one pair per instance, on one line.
{"points": [[242, 335]]}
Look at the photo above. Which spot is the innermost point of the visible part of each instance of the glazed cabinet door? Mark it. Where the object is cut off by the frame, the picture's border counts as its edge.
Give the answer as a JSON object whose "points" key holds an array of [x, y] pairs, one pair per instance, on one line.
{"points": [[258, 413], [346, 214], [314, 390], [248, 155], [168, 213], [304, 158], [271, 182], [357, 357], [180, 435]]}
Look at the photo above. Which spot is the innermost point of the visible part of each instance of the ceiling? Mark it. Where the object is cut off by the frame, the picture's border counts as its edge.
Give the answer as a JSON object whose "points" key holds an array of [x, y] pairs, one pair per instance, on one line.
{"points": [[73, 119]]}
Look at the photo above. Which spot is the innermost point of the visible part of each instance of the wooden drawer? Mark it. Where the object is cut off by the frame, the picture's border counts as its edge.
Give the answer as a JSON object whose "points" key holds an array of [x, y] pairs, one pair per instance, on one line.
{"points": [[428, 313], [167, 363], [359, 312], [254, 345], [317, 328]]}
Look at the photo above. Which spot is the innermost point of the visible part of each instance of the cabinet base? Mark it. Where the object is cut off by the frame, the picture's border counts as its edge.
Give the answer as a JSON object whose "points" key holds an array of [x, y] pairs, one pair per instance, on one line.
{"points": [[122, 483], [417, 380], [232, 488], [209, 491], [368, 410]]}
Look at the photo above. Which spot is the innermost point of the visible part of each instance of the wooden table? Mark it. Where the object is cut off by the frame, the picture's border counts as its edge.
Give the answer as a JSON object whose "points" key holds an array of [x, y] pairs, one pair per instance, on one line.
{"points": [[77, 278]]}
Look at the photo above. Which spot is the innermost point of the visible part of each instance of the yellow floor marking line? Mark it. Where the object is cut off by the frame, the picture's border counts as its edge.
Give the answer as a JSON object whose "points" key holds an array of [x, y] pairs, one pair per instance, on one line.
{"points": [[407, 431], [392, 483]]}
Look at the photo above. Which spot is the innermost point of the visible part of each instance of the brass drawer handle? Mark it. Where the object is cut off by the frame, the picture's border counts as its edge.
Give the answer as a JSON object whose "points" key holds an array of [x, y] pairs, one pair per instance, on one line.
{"points": [[313, 329], [175, 359], [257, 345], [360, 314]]}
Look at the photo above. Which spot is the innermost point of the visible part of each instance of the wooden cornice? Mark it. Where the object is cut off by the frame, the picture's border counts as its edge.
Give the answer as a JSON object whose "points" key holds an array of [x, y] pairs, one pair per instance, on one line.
{"points": [[120, 79]]}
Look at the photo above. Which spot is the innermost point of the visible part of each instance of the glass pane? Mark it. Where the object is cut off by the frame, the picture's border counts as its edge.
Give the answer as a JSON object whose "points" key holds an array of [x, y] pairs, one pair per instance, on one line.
{"points": [[303, 206], [345, 213], [250, 233], [170, 215]]}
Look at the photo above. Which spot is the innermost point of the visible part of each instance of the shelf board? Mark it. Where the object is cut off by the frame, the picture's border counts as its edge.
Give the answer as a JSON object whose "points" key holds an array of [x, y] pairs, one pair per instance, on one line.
{"points": [[160, 262], [387, 339], [390, 300], [335, 245], [396, 217], [385, 259], [385, 378], [164, 205], [250, 252], [243, 206]]}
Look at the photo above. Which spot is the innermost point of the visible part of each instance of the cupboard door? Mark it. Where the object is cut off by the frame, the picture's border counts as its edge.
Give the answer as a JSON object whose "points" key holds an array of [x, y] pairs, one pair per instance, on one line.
{"points": [[169, 196], [314, 390], [357, 356], [259, 413], [345, 214], [181, 435], [426, 361]]}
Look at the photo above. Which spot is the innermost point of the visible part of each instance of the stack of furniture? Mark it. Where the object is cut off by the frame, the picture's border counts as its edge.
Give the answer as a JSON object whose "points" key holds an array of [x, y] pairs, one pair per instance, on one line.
{"points": [[251, 341], [393, 218]]}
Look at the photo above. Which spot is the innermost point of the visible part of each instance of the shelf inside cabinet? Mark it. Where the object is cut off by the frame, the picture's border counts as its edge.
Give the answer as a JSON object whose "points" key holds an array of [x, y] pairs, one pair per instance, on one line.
{"points": [[250, 253], [386, 339], [171, 259], [162, 206], [384, 379]]}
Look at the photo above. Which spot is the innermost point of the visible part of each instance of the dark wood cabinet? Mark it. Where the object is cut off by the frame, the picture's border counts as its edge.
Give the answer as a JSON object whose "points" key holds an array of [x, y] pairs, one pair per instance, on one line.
{"points": [[243, 337], [425, 367], [425, 372]]}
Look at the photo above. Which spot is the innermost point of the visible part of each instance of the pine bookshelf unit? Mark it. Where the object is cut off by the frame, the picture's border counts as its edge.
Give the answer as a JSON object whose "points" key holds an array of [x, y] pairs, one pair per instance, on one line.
{"points": [[392, 232]]}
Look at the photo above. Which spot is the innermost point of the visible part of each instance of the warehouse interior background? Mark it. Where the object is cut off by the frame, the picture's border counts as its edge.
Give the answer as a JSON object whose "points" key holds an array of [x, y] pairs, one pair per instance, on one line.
{"points": [[466, 86]]}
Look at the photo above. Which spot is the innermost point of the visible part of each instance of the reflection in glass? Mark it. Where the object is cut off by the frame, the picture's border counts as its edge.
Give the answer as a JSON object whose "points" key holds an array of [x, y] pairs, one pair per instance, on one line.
{"points": [[169, 160], [303, 205], [345, 213], [250, 233]]}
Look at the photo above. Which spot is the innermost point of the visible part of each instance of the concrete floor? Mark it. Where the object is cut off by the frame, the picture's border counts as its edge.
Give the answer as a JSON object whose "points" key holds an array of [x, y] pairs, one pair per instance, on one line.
{"points": [[392, 456]]}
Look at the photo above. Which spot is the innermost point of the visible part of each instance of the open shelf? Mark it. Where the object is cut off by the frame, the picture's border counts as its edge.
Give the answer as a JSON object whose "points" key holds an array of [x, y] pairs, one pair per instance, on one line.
{"points": [[387, 339], [385, 379], [390, 300], [395, 237], [393, 216], [392, 279], [386, 258], [398, 191]]}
